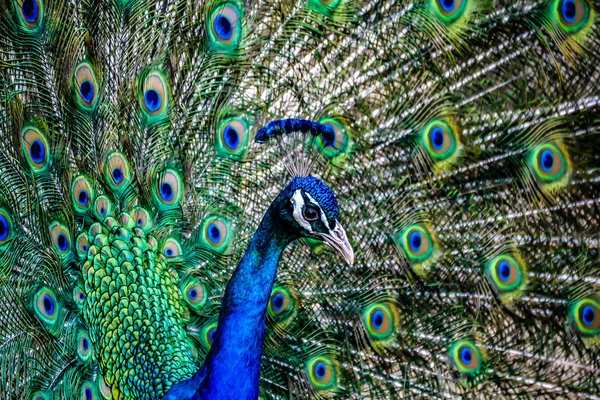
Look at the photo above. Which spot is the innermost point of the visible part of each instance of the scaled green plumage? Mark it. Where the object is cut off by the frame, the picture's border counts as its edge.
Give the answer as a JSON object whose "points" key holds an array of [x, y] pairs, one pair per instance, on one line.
{"points": [[465, 164]]}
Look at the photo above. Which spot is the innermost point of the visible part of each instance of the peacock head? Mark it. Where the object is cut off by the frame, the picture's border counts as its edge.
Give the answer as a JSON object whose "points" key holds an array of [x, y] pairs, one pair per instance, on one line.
{"points": [[308, 208]]}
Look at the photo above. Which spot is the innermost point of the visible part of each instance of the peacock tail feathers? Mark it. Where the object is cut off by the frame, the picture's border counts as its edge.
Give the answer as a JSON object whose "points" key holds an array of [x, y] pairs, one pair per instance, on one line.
{"points": [[462, 145]]}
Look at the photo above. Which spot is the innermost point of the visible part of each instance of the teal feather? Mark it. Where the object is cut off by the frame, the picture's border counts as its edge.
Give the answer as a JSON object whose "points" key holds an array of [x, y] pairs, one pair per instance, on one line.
{"points": [[174, 92]]}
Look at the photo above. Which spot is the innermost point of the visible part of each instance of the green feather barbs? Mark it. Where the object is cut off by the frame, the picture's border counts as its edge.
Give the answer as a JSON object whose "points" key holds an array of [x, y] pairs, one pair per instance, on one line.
{"points": [[86, 85], [35, 148], [584, 319], [225, 27], [322, 372], [30, 12]]}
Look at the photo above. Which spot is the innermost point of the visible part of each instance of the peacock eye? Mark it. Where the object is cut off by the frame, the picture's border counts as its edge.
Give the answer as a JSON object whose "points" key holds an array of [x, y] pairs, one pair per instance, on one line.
{"points": [[310, 214], [573, 14]]}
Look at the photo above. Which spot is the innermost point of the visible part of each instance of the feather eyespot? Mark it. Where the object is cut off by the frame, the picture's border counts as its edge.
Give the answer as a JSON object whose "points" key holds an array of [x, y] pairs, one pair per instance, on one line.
{"points": [[450, 10], [322, 372], [87, 392], [216, 233], [35, 147], [573, 15], [506, 273], [418, 243], [466, 357], [208, 335], [105, 389], [171, 249], [141, 218], [84, 346], [281, 303], [379, 321], [86, 85], [154, 96], [225, 27], [440, 140], [79, 295], [60, 238], [116, 171], [83, 245], [6, 227], [39, 396], [585, 319], [46, 306], [81, 194], [336, 144], [30, 12], [168, 188], [102, 207], [195, 294], [549, 163], [232, 137]]}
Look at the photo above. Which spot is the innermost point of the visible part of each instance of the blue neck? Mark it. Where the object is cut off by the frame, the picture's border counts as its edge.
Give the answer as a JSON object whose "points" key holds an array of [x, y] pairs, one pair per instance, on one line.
{"points": [[232, 367]]}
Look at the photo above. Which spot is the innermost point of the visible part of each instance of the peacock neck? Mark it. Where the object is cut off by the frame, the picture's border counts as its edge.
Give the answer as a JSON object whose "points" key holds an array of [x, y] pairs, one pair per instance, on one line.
{"points": [[232, 366]]}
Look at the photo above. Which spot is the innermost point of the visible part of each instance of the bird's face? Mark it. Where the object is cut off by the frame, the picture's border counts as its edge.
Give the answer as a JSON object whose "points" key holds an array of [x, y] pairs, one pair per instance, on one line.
{"points": [[313, 211]]}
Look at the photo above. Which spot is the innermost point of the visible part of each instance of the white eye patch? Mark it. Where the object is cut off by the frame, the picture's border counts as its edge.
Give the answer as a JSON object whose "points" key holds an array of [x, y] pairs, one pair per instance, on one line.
{"points": [[297, 206]]}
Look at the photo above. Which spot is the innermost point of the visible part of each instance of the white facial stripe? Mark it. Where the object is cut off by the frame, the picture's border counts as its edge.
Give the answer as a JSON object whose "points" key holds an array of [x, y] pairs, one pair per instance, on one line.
{"points": [[322, 214], [297, 206]]}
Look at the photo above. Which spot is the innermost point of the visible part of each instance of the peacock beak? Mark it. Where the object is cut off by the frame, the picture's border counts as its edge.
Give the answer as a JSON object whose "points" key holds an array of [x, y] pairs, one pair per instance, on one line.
{"points": [[337, 239]]}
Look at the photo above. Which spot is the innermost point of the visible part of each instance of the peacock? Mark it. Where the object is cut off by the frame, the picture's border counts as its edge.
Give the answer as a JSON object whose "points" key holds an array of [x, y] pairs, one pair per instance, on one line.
{"points": [[299, 199]]}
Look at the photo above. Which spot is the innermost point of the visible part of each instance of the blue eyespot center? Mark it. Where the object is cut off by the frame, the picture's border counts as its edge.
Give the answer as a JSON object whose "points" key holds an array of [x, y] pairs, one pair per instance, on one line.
{"points": [[547, 159], [139, 222], [448, 5], [416, 240], [504, 271], [117, 175], [169, 252], [152, 100], [83, 197], [88, 394], [377, 319], [102, 210], [48, 304], [213, 233], [62, 242], [466, 355], [193, 294], [86, 90], [437, 138], [569, 11], [37, 151], [4, 230], [223, 27], [30, 10], [211, 335], [320, 370], [588, 315], [232, 139], [81, 296], [85, 344], [85, 247], [166, 191], [278, 302]]}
